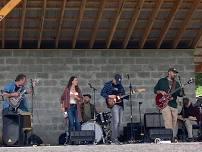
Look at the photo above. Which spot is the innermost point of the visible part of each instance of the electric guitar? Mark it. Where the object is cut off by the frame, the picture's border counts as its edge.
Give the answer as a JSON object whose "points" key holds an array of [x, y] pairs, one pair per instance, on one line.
{"points": [[112, 101], [162, 100]]}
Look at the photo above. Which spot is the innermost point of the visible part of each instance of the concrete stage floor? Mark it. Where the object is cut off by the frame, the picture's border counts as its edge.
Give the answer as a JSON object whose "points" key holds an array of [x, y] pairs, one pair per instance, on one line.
{"points": [[172, 147]]}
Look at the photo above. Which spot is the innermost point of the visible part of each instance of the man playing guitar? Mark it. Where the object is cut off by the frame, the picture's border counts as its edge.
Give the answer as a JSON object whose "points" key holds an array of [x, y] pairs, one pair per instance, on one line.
{"points": [[164, 87], [13, 90], [110, 91]]}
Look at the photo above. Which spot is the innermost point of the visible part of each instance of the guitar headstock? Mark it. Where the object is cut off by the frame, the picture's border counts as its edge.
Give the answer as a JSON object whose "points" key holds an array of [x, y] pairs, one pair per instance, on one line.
{"points": [[190, 81], [139, 90], [34, 82]]}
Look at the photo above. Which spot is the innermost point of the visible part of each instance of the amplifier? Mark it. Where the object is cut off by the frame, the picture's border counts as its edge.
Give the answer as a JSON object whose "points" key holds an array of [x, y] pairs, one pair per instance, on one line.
{"points": [[82, 137]]}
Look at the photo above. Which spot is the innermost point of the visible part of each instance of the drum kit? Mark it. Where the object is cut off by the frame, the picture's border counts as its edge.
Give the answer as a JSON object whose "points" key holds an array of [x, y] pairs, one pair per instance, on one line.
{"points": [[101, 125]]}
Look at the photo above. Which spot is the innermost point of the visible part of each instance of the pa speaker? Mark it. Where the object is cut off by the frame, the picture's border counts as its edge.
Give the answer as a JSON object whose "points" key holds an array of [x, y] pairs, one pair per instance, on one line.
{"points": [[12, 134], [82, 137], [162, 133]]}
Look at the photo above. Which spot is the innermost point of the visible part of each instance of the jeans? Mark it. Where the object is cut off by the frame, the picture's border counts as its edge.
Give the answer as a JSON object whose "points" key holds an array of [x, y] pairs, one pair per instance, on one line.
{"points": [[74, 124], [117, 116]]}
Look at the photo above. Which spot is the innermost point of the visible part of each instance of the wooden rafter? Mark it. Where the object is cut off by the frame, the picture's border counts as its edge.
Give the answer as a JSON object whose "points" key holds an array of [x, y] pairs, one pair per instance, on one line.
{"points": [[60, 23], [22, 23], [185, 23], [3, 30], [133, 23], [99, 17], [151, 22], [76, 32], [8, 8], [197, 39], [115, 21], [42, 24], [168, 22]]}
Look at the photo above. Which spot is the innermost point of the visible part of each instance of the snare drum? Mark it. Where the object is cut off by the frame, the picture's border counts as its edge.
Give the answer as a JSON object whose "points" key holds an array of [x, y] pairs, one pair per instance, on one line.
{"points": [[98, 130]]}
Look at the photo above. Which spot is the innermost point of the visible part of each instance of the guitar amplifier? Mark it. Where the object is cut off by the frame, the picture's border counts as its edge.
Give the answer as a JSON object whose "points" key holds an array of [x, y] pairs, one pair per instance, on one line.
{"points": [[82, 137]]}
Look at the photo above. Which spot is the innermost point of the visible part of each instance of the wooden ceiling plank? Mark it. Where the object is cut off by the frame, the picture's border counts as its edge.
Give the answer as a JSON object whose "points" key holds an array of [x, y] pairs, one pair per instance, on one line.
{"points": [[8, 8], [99, 17], [76, 32], [42, 24], [151, 22], [22, 23], [133, 22], [168, 22], [115, 21], [60, 23], [185, 23]]}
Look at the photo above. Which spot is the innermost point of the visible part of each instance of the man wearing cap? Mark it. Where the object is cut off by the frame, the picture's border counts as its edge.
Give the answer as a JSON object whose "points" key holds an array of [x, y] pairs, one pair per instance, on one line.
{"points": [[87, 109], [111, 90], [165, 86]]}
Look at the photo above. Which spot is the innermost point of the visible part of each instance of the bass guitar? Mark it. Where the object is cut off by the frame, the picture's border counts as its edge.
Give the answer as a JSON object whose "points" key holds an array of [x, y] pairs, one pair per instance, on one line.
{"points": [[112, 101], [162, 100]]}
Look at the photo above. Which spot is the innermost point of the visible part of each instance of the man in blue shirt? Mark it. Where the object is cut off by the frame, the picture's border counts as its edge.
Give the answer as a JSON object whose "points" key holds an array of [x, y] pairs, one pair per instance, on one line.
{"points": [[111, 92], [13, 90]]}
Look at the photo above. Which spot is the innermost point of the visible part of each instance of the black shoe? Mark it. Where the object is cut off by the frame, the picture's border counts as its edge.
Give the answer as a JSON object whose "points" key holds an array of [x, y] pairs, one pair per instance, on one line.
{"points": [[116, 142], [174, 140], [190, 140]]}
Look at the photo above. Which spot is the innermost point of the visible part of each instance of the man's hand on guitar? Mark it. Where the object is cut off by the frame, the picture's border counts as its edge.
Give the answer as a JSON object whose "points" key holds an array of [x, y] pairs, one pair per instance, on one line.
{"points": [[112, 96], [14, 94], [162, 92]]}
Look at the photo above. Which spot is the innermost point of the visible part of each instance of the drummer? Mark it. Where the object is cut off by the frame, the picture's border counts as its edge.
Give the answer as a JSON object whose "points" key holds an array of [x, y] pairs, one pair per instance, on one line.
{"points": [[87, 108]]}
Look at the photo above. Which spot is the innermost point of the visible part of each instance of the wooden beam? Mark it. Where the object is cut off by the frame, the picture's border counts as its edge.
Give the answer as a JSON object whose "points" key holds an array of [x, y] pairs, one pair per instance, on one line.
{"points": [[133, 22], [185, 23], [150, 22], [197, 39], [42, 23], [60, 23], [3, 30], [76, 33], [168, 22], [22, 23], [8, 8], [115, 23], [99, 17]]}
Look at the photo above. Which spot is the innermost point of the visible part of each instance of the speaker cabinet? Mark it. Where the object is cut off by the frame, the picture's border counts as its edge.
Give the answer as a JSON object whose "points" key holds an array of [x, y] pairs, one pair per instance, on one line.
{"points": [[14, 128], [82, 137], [133, 131], [11, 130]]}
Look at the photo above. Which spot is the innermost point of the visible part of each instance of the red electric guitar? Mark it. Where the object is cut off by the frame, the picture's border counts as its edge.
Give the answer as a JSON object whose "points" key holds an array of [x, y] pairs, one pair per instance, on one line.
{"points": [[162, 100]]}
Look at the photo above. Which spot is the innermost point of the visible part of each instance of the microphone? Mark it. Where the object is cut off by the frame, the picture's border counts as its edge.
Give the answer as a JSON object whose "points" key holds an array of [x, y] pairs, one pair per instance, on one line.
{"points": [[89, 84]]}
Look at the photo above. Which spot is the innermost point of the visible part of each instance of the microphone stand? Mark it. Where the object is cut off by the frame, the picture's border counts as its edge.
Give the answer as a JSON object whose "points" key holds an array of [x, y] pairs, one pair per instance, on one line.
{"points": [[32, 110], [132, 137], [93, 92], [183, 114]]}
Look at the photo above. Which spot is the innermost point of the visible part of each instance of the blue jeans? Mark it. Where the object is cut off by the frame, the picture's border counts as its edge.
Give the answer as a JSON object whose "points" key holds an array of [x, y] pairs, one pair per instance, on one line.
{"points": [[74, 124], [117, 116]]}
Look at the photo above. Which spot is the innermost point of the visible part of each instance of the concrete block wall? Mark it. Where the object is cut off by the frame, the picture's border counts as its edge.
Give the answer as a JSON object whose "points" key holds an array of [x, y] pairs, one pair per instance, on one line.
{"points": [[54, 68]]}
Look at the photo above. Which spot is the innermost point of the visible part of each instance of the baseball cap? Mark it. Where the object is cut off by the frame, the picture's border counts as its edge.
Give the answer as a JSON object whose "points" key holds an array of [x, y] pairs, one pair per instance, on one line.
{"points": [[88, 95], [118, 78], [173, 70]]}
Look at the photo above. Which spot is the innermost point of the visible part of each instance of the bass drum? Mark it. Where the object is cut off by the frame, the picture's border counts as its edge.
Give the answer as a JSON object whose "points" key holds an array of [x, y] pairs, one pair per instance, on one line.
{"points": [[98, 130]]}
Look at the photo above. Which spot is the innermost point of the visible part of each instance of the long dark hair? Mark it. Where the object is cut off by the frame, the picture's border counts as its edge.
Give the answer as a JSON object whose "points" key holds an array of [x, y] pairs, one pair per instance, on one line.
{"points": [[70, 83]]}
